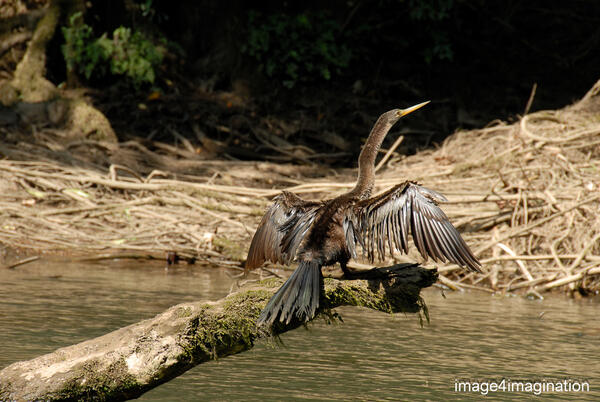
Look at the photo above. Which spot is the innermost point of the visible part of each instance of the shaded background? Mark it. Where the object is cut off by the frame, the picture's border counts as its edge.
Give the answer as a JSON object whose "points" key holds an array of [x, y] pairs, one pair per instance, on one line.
{"points": [[335, 66]]}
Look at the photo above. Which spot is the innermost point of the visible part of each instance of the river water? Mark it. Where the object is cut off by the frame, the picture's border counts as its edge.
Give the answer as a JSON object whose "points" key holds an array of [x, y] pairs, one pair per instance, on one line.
{"points": [[472, 338]]}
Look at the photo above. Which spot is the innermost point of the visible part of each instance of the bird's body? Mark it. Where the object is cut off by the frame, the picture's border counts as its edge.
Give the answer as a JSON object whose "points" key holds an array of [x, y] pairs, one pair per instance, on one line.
{"points": [[318, 234]]}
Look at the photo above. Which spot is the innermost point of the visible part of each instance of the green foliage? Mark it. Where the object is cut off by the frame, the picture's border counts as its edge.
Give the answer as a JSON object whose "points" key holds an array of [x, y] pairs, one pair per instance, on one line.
{"points": [[146, 8], [148, 11], [432, 10], [76, 48], [432, 13], [297, 48], [128, 53], [441, 48]]}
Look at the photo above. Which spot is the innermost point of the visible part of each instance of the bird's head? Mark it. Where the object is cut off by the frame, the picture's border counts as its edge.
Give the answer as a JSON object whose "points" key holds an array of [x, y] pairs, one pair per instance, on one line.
{"points": [[397, 114]]}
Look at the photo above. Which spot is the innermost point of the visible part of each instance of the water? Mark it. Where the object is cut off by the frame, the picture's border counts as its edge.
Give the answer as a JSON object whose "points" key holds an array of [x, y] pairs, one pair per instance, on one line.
{"points": [[44, 306], [371, 356]]}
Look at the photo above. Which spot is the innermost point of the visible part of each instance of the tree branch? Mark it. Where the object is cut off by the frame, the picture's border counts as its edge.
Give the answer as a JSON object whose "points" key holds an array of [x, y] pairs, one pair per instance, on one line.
{"points": [[132, 360], [29, 74], [8, 41], [27, 20]]}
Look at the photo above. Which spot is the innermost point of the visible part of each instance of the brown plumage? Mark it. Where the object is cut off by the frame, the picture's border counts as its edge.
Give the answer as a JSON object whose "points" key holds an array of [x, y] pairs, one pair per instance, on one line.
{"points": [[316, 234]]}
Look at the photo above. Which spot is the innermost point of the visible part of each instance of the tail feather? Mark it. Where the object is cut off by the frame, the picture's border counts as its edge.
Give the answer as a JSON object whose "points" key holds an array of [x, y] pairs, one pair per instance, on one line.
{"points": [[298, 296]]}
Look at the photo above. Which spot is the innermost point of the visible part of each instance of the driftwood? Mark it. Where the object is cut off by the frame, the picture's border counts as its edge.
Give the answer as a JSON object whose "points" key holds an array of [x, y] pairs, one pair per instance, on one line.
{"points": [[132, 360]]}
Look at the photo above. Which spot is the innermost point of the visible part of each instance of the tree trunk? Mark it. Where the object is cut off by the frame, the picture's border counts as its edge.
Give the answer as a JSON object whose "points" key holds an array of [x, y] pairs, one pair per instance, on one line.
{"points": [[132, 360], [33, 99]]}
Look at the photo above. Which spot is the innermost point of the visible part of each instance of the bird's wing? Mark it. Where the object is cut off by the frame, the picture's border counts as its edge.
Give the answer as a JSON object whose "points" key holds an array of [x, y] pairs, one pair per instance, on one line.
{"points": [[281, 230], [408, 207]]}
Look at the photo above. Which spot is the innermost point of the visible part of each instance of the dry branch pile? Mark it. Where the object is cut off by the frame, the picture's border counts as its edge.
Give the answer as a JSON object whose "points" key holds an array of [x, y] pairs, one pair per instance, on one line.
{"points": [[525, 196]]}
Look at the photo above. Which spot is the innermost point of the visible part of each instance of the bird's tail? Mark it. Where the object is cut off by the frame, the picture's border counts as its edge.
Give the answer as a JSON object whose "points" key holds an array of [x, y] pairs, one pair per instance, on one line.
{"points": [[298, 296]]}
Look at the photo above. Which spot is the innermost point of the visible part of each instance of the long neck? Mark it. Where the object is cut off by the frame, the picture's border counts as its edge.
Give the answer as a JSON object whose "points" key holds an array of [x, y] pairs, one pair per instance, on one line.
{"points": [[366, 160]]}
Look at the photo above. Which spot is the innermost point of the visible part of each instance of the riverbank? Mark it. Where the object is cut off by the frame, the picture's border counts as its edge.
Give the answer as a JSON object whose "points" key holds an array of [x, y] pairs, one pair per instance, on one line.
{"points": [[525, 196]]}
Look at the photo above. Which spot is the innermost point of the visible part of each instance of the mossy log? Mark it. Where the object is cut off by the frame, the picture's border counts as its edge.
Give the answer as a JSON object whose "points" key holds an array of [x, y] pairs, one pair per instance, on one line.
{"points": [[132, 360]]}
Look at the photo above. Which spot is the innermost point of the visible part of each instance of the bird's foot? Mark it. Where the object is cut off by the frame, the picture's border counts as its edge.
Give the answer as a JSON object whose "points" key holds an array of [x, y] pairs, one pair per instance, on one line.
{"points": [[377, 273], [373, 273]]}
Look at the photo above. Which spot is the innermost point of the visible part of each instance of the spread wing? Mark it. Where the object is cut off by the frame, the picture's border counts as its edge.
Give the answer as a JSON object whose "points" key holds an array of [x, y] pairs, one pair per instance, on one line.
{"points": [[408, 207], [281, 230]]}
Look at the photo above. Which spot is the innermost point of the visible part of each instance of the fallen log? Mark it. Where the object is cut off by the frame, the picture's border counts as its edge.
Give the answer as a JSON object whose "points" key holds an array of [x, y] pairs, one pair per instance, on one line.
{"points": [[132, 360]]}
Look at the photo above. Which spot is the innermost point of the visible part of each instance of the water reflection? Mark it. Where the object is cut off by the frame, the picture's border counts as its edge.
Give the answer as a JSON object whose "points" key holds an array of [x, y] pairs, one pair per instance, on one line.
{"points": [[371, 356]]}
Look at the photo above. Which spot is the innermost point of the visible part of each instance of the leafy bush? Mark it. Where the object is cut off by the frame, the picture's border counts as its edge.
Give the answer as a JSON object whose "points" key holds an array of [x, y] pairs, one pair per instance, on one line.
{"points": [[297, 48], [127, 53], [432, 13]]}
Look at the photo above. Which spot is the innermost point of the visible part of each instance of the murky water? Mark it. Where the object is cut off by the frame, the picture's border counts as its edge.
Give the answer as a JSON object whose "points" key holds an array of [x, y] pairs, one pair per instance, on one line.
{"points": [[371, 356]]}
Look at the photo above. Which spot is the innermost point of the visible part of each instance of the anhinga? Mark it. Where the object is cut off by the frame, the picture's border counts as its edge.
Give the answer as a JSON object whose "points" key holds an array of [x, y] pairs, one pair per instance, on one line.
{"points": [[317, 234]]}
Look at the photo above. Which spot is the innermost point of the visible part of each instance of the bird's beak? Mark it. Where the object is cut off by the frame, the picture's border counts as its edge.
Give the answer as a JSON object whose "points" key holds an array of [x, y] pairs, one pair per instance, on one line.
{"points": [[404, 112]]}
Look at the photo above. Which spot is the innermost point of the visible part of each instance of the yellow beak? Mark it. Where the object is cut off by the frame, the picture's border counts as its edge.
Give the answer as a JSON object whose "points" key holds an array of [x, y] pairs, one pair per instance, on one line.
{"points": [[404, 112]]}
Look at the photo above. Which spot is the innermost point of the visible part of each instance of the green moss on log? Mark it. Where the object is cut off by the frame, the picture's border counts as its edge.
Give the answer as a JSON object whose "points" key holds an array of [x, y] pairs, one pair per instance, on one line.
{"points": [[99, 384]]}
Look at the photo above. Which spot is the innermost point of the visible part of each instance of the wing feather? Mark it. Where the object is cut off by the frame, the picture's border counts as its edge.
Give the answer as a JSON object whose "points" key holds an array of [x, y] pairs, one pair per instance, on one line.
{"points": [[389, 231], [408, 207], [281, 230]]}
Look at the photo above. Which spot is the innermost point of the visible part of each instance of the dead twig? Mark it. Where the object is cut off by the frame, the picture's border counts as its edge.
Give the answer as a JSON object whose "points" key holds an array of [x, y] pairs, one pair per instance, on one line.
{"points": [[22, 262]]}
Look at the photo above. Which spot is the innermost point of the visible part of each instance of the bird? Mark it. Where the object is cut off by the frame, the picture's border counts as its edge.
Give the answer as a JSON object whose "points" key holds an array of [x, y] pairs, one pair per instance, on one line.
{"points": [[322, 233]]}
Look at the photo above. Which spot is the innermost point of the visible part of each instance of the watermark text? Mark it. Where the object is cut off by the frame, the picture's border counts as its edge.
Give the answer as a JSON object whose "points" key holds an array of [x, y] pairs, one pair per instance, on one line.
{"points": [[535, 387]]}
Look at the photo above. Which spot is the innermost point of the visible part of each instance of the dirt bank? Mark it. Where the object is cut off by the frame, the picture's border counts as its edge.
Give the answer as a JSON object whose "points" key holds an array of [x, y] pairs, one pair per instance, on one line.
{"points": [[525, 195]]}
